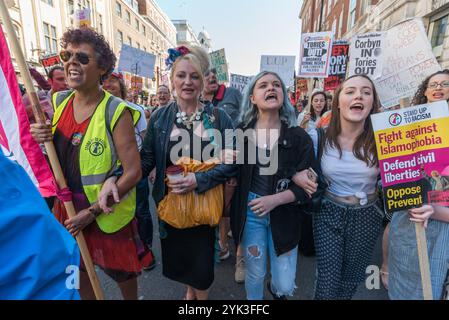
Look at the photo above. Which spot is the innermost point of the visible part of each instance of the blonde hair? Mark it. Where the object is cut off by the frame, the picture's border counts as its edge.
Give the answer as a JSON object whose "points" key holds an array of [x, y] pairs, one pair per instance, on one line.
{"points": [[199, 59]]}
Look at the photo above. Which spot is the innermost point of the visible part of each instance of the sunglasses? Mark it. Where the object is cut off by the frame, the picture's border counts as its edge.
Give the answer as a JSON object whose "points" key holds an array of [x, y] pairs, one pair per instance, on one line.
{"points": [[434, 85], [82, 57]]}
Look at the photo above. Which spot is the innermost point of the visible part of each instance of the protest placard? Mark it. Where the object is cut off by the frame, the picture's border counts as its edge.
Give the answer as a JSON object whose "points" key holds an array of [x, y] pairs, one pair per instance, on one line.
{"points": [[337, 66], [315, 54], [49, 61], [239, 82], [407, 60], [366, 54], [218, 61], [412, 148], [82, 18], [136, 61], [284, 66], [301, 85]]}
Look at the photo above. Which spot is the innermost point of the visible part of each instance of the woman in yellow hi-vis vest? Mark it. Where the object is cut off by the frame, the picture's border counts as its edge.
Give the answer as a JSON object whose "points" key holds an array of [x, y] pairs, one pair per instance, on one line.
{"points": [[93, 134]]}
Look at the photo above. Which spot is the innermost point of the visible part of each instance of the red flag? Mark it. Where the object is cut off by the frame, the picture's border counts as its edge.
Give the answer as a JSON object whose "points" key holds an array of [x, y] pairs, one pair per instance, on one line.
{"points": [[15, 138]]}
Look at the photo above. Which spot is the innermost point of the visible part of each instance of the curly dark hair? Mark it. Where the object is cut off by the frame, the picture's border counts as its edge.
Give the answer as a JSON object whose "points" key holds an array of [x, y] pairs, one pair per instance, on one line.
{"points": [[106, 58], [419, 97]]}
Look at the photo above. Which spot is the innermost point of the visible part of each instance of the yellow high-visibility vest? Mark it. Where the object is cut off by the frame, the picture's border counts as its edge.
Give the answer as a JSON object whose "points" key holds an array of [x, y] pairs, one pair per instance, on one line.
{"points": [[98, 157]]}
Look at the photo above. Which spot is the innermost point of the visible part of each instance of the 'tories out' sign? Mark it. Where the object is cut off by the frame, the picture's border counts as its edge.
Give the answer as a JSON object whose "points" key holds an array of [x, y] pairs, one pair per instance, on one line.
{"points": [[338, 63], [314, 55], [412, 148], [366, 55]]}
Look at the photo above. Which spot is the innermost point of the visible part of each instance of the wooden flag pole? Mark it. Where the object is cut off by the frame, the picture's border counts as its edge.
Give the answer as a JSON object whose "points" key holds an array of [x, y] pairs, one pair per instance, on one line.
{"points": [[49, 146], [421, 242]]}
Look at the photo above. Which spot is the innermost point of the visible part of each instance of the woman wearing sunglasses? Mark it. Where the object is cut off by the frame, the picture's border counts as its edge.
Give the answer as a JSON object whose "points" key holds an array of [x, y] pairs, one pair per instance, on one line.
{"points": [[404, 279], [92, 131]]}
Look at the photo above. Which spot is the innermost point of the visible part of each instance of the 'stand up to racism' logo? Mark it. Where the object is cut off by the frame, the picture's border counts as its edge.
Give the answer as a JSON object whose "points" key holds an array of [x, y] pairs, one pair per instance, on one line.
{"points": [[395, 119], [95, 146]]}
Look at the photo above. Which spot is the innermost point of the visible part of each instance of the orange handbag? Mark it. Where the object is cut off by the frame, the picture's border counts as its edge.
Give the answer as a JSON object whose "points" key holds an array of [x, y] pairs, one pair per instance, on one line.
{"points": [[192, 209]]}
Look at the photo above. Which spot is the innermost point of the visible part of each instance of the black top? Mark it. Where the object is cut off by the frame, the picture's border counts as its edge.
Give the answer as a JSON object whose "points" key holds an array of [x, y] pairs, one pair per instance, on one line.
{"points": [[155, 148], [294, 153], [261, 184]]}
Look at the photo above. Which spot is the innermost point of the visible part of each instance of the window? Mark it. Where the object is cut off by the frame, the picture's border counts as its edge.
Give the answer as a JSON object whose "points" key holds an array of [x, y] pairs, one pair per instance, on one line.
{"points": [[51, 42], [71, 7], [118, 9], [145, 49], [130, 41], [439, 31], [49, 2], [351, 18], [120, 37], [54, 38], [138, 45], [364, 6], [137, 24], [128, 17], [144, 30]]}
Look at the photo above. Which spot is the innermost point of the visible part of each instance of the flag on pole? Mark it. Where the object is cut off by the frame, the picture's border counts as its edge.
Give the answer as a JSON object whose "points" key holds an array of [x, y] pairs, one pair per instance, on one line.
{"points": [[16, 141], [39, 258]]}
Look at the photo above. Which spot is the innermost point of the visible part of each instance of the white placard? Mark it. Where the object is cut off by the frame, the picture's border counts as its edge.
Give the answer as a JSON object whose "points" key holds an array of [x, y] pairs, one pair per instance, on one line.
{"points": [[284, 66], [366, 54], [315, 54]]}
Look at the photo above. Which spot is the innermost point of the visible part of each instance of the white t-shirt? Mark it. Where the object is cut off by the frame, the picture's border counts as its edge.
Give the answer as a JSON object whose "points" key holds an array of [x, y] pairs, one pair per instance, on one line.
{"points": [[348, 175], [311, 125]]}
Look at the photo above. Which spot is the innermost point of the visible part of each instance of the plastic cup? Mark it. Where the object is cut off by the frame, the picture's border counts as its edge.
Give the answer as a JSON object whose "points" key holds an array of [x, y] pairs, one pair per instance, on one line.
{"points": [[174, 173]]}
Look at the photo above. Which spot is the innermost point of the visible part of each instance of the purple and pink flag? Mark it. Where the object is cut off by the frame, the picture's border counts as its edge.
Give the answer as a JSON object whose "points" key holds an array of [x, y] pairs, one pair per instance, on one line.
{"points": [[16, 141]]}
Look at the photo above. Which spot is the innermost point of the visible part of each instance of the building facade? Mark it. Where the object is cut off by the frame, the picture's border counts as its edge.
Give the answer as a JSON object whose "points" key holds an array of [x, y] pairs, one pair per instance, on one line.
{"points": [[347, 18], [142, 24], [185, 34]]}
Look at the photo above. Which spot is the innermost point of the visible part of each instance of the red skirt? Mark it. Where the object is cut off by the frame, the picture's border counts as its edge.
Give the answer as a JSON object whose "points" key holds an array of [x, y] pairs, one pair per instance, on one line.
{"points": [[119, 252]]}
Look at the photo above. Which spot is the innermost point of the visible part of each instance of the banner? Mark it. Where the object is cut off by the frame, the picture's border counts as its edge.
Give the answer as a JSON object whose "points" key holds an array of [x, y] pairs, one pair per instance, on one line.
{"points": [[315, 54], [16, 141], [413, 148], [218, 61], [366, 54], [239, 82], [284, 66], [82, 18], [136, 83], [407, 60], [338, 64], [136, 62], [49, 61]]}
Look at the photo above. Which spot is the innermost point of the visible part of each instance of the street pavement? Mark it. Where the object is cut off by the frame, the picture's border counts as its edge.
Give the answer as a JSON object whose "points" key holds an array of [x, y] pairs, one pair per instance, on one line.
{"points": [[154, 286]]}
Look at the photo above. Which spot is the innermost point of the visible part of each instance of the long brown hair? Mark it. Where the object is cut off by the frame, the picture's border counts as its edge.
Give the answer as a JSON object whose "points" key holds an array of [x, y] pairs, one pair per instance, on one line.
{"points": [[365, 146], [313, 115], [420, 97]]}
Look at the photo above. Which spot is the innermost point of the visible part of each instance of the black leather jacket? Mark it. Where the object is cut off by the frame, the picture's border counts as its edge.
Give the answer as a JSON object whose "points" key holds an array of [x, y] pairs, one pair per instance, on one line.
{"points": [[295, 153], [154, 151]]}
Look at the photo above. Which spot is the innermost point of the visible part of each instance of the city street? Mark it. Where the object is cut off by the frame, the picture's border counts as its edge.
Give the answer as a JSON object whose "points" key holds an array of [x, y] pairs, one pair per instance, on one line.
{"points": [[154, 286]]}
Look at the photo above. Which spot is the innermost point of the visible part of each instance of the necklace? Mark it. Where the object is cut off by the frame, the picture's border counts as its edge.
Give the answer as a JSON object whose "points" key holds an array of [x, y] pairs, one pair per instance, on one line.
{"points": [[181, 117]]}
